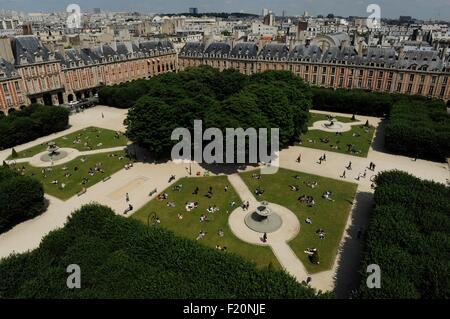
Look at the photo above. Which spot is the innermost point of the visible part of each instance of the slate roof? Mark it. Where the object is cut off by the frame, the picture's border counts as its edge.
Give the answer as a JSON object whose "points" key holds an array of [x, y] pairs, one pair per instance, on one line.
{"points": [[274, 51], [28, 47], [247, 50], [7, 70], [193, 49], [372, 56], [218, 49]]}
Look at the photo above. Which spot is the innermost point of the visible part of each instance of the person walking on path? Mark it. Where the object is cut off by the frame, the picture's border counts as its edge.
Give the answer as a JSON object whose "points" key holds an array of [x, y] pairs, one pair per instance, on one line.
{"points": [[264, 238], [349, 166], [299, 158], [343, 174], [127, 197]]}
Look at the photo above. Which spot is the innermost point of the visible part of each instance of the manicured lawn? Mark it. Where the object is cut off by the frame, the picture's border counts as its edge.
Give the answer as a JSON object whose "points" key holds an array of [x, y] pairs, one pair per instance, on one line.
{"points": [[190, 225], [314, 117], [360, 137], [90, 138], [73, 183], [326, 215]]}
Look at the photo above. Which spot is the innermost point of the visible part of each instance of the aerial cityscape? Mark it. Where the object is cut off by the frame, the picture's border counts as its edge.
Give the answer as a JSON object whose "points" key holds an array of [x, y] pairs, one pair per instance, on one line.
{"points": [[224, 150]]}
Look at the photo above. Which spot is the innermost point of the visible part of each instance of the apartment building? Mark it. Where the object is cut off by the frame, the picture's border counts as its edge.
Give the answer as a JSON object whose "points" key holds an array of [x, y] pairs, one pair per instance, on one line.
{"points": [[377, 69], [39, 75]]}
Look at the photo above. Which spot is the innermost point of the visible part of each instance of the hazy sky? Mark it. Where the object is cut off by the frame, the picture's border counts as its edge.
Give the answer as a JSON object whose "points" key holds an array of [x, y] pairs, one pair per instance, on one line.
{"points": [[424, 9]]}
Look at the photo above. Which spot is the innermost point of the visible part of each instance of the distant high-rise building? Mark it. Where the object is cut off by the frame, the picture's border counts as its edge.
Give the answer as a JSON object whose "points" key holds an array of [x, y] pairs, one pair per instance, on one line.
{"points": [[97, 11], [193, 10], [265, 12], [269, 19]]}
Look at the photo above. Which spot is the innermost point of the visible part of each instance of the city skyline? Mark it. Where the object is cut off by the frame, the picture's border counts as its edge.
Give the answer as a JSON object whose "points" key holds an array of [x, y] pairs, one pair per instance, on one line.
{"points": [[433, 9]]}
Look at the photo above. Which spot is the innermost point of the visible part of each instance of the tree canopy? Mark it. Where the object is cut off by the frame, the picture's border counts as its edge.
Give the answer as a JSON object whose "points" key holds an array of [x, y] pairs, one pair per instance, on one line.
{"points": [[30, 123], [228, 99], [22, 198]]}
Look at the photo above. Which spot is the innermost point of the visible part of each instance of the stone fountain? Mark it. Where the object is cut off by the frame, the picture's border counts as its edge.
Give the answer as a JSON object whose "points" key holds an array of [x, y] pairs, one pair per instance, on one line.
{"points": [[54, 153], [263, 219]]}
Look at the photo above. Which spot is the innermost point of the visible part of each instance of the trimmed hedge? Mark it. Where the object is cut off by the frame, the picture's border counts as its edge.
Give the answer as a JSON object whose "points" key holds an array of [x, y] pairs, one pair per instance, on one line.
{"points": [[122, 258], [352, 101], [123, 96], [21, 198], [30, 123], [357, 101], [419, 129], [409, 238]]}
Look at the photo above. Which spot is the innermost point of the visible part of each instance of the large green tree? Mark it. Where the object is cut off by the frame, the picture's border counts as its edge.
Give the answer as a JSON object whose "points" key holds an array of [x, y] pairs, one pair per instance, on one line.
{"points": [[150, 124], [228, 99], [21, 198]]}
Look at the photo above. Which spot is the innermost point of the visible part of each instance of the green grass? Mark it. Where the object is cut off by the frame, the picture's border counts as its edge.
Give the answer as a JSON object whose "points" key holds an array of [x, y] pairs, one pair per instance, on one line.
{"points": [[326, 215], [190, 225], [91, 135], [314, 117], [73, 184], [338, 143]]}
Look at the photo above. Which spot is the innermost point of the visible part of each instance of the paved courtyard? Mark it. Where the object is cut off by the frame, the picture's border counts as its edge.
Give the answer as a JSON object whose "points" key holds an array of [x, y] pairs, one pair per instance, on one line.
{"points": [[145, 176]]}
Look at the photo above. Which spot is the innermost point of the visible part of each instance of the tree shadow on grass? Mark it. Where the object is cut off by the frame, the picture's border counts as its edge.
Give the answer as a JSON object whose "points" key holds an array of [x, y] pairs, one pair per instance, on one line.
{"points": [[347, 277], [226, 169]]}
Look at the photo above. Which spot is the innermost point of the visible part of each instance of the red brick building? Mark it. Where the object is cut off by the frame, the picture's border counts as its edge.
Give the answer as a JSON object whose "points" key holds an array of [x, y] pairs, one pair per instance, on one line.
{"points": [[376, 69], [53, 78]]}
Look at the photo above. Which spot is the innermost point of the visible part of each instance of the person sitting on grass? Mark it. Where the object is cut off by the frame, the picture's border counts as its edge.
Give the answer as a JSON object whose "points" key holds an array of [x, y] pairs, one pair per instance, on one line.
{"points": [[163, 196], [220, 232], [310, 251], [312, 184], [294, 188], [177, 188], [327, 196], [201, 235], [259, 191], [212, 209], [191, 205], [171, 204], [180, 216], [321, 233]]}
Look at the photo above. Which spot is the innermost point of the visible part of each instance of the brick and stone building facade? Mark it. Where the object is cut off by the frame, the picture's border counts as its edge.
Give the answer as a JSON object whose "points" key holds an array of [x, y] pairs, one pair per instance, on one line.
{"points": [[38, 75], [11, 87], [377, 69]]}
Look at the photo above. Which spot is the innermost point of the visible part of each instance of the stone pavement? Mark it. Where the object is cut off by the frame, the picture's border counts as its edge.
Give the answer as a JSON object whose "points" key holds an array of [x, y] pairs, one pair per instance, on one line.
{"points": [[278, 240], [71, 155]]}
